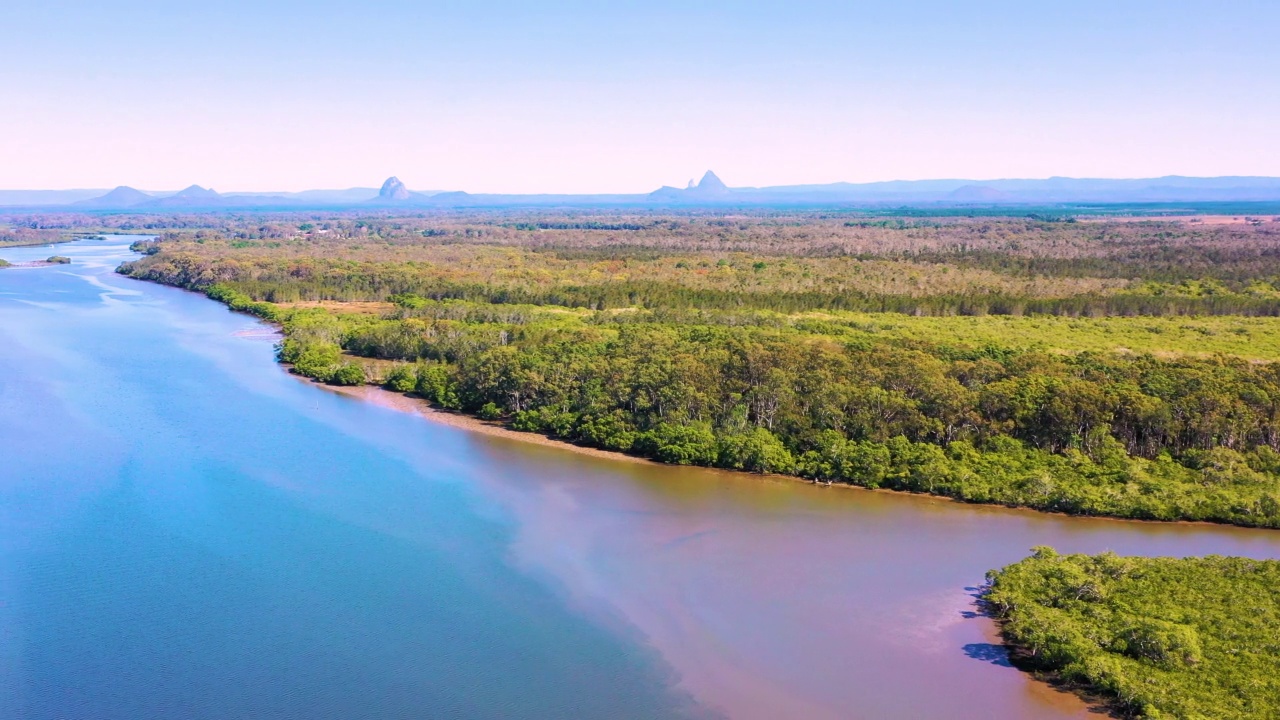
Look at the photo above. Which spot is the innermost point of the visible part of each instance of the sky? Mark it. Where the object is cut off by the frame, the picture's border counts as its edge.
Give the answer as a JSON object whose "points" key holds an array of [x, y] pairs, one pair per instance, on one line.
{"points": [[622, 96]]}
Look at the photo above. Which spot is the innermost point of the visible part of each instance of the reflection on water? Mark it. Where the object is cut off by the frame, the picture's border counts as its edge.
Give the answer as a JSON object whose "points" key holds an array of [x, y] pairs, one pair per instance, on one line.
{"points": [[187, 532]]}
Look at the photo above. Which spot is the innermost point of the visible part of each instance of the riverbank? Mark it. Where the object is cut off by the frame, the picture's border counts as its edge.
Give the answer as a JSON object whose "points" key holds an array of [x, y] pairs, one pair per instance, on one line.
{"points": [[400, 402], [1030, 461], [417, 406]]}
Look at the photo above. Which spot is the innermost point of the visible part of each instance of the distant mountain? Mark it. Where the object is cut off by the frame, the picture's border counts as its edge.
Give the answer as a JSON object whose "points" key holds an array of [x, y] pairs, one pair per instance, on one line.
{"points": [[709, 189], [666, 193], [459, 197], [1024, 192], [393, 190], [193, 196], [197, 193], [122, 197], [977, 194], [710, 186]]}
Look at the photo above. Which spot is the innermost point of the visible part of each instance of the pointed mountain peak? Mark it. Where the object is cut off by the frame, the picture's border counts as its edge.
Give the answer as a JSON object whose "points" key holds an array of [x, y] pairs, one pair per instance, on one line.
{"points": [[393, 189], [711, 182], [123, 196], [709, 187], [197, 192]]}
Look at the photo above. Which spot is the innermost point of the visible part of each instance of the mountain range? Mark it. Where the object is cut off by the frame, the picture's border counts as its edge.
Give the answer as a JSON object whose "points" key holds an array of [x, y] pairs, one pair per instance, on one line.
{"points": [[709, 191]]}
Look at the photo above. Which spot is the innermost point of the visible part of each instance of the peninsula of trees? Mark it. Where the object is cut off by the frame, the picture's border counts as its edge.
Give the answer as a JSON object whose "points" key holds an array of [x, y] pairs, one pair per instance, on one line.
{"points": [[1155, 637], [1083, 365]]}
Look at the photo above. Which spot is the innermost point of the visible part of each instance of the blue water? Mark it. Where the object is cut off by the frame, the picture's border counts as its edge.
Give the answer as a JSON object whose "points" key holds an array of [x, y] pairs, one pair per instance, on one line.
{"points": [[188, 532]]}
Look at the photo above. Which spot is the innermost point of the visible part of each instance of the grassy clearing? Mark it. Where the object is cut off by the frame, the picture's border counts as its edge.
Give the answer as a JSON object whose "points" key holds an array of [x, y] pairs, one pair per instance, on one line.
{"points": [[1251, 338]]}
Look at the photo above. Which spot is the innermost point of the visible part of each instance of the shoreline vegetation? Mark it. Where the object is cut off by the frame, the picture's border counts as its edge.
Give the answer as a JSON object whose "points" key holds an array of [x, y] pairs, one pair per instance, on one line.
{"points": [[1103, 369], [925, 473], [377, 394], [413, 405], [1155, 637]]}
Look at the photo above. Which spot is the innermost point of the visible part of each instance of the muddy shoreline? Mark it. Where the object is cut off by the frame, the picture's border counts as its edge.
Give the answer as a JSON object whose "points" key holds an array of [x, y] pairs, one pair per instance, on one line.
{"points": [[418, 406]]}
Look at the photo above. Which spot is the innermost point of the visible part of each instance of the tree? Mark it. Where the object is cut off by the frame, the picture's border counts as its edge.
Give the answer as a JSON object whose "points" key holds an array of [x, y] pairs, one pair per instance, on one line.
{"points": [[693, 444]]}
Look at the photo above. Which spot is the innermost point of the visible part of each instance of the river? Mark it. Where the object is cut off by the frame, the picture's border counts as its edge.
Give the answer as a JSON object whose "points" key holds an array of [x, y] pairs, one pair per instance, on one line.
{"points": [[187, 531]]}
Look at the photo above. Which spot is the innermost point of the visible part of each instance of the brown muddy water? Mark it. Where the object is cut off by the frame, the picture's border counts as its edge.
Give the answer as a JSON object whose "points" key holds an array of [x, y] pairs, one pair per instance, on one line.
{"points": [[775, 598]]}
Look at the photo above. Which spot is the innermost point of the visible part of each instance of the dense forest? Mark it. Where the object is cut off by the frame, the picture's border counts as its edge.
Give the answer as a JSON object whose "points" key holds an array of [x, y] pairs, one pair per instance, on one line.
{"points": [[1193, 638], [946, 266], [1093, 367]]}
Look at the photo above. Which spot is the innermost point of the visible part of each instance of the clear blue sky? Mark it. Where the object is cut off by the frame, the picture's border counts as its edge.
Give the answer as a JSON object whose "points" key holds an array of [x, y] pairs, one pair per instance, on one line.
{"points": [[625, 96]]}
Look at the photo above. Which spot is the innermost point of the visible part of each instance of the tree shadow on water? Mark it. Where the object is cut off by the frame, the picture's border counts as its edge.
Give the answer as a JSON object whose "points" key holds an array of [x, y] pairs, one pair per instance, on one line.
{"points": [[988, 652], [978, 611]]}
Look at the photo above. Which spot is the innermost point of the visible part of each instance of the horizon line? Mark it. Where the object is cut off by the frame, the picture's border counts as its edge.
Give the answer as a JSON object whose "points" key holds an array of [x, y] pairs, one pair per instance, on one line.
{"points": [[374, 187]]}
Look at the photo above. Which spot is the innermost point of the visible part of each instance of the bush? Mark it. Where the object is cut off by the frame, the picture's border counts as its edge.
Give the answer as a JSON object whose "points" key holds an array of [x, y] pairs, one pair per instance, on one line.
{"points": [[545, 420], [1223, 466], [1160, 642], [241, 302], [408, 301], [755, 451], [838, 458], [692, 444], [314, 360], [437, 384], [401, 379], [348, 374], [611, 432]]}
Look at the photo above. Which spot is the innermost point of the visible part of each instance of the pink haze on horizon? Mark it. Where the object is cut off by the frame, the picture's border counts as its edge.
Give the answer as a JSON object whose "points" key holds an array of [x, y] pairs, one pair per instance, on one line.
{"points": [[571, 97]]}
